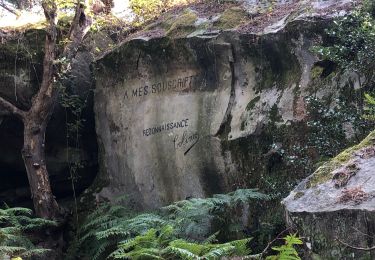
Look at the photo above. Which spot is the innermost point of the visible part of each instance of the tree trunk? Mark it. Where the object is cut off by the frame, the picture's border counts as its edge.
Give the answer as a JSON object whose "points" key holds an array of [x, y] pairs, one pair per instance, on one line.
{"points": [[35, 162], [36, 119]]}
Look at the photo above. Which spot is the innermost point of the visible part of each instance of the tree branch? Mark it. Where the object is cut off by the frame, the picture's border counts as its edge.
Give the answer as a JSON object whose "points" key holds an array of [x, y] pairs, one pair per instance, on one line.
{"points": [[11, 108], [45, 98], [9, 9], [355, 247], [43, 101], [50, 12], [80, 26]]}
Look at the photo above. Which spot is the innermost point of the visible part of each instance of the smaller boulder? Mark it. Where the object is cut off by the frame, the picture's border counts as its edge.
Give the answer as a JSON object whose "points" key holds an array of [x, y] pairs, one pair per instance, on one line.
{"points": [[334, 208]]}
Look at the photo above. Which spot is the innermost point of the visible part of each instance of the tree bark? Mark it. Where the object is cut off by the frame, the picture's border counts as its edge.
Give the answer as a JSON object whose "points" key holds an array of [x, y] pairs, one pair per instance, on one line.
{"points": [[35, 124], [36, 119], [35, 163]]}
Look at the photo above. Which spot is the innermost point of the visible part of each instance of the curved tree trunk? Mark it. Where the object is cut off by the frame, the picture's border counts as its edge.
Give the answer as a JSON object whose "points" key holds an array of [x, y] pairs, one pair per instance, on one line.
{"points": [[34, 158], [36, 119], [35, 124]]}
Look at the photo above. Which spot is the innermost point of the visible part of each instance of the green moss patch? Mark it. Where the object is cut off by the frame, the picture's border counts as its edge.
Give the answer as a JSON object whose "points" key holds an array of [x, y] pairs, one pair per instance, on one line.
{"points": [[316, 72], [324, 173], [231, 18], [299, 195], [182, 25]]}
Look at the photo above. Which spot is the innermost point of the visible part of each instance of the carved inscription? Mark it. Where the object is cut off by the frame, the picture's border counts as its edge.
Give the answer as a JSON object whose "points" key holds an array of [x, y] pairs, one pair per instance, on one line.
{"points": [[186, 141], [176, 84], [166, 127]]}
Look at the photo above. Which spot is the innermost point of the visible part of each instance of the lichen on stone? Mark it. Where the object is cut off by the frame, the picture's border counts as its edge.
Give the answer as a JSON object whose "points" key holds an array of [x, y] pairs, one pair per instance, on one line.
{"points": [[325, 172]]}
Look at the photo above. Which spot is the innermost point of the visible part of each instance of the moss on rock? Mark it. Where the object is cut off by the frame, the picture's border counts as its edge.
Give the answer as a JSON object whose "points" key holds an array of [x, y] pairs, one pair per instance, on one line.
{"points": [[231, 18], [316, 72], [252, 103], [324, 172], [182, 25]]}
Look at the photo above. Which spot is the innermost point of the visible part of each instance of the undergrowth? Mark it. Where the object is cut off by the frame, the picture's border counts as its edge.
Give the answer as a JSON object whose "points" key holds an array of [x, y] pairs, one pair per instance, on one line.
{"points": [[182, 230], [17, 233]]}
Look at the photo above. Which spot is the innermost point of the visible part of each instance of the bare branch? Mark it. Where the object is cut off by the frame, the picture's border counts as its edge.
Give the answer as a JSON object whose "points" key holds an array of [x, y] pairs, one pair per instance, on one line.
{"points": [[80, 25], [50, 12], [9, 9], [77, 15], [12, 108], [355, 247]]}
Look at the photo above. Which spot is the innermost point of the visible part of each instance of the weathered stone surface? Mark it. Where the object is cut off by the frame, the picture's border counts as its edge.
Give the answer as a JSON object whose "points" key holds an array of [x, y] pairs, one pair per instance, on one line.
{"points": [[335, 205], [243, 97], [162, 118]]}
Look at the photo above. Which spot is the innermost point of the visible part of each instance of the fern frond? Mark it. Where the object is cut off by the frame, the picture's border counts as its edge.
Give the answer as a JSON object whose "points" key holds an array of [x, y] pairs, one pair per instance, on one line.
{"points": [[35, 252], [194, 248], [179, 253], [99, 251], [112, 232], [241, 246], [18, 211], [11, 250], [219, 252], [211, 239]]}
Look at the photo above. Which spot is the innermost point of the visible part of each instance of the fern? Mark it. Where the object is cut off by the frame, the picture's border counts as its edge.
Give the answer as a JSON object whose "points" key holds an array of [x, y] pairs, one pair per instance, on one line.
{"points": [[15, 225], [194, 218], [369, 99], [369, 110], [161, 244], [180, 253], [287, 251], [115, 232]]}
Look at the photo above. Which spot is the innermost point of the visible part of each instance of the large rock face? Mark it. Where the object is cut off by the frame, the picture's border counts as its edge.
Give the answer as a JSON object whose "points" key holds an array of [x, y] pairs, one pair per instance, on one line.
{"points": [[163, 116], [183, 111], [334, 208]]}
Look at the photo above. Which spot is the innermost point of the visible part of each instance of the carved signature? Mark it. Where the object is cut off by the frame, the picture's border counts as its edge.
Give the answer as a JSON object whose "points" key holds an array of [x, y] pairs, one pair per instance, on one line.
{"points": [[186, 141]]}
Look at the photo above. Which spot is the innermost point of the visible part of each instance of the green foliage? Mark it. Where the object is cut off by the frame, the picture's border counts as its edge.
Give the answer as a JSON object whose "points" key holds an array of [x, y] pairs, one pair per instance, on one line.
{"points": [[352, 41], [326, 124], [16, 225], [149, 9], [287, 251], [162, 244], [197, 218], [329, 122], [369, 108], [351, 45], [113, 228], [146, 9], [66, 5]]}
